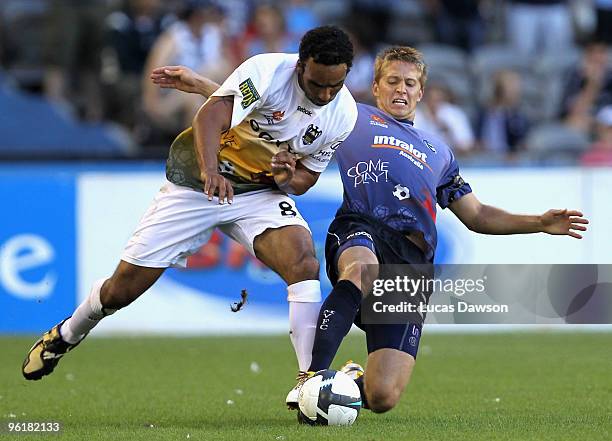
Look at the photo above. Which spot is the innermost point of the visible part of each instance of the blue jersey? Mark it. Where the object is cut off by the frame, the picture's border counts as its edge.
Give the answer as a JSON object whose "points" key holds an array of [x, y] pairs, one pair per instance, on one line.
{"points": [[396, 174]]}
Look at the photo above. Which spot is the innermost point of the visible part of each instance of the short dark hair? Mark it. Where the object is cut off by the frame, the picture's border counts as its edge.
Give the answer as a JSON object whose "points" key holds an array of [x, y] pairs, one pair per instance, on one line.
{"points": [[328, 45]]}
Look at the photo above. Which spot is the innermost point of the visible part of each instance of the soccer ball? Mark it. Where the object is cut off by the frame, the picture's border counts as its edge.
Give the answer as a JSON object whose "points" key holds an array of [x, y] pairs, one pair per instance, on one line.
{"points": [[329, 398]]}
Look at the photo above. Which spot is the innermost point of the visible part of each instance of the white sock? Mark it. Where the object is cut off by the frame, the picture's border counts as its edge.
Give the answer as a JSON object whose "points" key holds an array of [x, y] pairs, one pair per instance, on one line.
{"points": [[304, 306], [85, 317]]}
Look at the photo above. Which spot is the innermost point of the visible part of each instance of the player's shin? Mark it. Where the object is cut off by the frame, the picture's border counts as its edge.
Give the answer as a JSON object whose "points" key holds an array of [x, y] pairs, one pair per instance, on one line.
{"points": [[304, 305], [335, 320], [86, 316]]}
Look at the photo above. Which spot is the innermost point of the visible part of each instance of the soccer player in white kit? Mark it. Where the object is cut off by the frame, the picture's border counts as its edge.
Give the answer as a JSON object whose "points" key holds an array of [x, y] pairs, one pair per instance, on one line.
{"points": [[268, 131]]}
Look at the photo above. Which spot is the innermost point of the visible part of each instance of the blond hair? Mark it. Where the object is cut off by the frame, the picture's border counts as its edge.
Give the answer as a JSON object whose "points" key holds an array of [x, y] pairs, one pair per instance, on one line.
{"points": [[405, 54]]}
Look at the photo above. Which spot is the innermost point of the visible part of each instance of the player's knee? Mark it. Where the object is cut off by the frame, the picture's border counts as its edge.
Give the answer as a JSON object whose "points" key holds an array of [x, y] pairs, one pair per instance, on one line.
{"points": [[311, 267], [360, 274], [382, 398], [304, 268]]}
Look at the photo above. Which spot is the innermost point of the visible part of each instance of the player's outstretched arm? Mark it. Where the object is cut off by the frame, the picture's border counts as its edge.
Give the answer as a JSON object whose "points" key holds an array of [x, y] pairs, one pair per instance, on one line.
{"points": [[184, 79], [291, 176], [486, 219]]}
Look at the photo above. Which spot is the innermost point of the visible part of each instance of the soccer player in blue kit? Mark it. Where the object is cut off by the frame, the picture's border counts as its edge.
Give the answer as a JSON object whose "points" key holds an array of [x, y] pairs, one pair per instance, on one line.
{"points": [[393, 176]]}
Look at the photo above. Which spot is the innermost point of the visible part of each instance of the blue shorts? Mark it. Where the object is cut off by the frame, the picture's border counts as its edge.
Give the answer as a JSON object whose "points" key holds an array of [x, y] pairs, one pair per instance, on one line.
{"points": [[404, 338], [390, 247]]}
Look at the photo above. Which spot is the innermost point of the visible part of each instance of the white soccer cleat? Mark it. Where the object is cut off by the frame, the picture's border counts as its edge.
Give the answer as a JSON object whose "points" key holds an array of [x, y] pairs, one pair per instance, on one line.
{"points": [[352, 369], [292, 396]]}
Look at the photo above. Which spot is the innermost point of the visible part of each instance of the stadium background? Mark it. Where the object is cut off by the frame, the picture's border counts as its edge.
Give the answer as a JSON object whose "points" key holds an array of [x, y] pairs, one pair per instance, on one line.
{"points": [[83, 141], [82, 147]]}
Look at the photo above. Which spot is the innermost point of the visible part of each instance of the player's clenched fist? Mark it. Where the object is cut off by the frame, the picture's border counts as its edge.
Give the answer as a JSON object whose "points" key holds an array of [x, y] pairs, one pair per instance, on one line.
{"points": [[283, 168], [214, 182]]}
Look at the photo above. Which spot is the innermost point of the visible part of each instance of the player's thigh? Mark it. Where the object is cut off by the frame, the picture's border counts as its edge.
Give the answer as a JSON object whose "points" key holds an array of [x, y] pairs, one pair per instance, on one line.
{"points": [[387, 375], [276, 233], [178, 222]]}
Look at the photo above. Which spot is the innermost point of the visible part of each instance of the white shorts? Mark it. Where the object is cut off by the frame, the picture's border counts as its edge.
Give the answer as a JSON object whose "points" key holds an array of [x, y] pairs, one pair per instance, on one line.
{"points": [[180, 220]]}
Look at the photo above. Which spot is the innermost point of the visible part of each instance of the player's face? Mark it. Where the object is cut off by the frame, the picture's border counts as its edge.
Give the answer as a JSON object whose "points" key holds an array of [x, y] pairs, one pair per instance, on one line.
{"points": [[398, 90], [319, 82]]}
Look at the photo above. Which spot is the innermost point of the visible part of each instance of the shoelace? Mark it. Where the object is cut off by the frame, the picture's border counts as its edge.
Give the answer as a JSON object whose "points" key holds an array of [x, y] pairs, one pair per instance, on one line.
{"points": [[301, 378]]}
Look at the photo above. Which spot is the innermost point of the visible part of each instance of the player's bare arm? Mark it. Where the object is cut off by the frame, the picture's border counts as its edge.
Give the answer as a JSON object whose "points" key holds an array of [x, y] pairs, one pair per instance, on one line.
{"points": [[184, 79], [290, 175], [213, 118], [487, 219]]}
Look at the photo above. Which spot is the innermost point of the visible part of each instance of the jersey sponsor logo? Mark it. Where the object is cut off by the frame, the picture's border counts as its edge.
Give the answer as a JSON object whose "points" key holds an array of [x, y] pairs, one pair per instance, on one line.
{"points": [[312, 133], [249, 93], [275, 117], [304, 110], [376, 120], [406, 150], [262, 134], [326, 155], [429, 145], [360, 233], [366, 172]]}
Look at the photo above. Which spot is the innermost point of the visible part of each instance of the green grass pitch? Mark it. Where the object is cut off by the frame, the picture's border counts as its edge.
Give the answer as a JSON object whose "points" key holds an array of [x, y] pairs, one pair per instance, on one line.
{"points": [[525, 386]]}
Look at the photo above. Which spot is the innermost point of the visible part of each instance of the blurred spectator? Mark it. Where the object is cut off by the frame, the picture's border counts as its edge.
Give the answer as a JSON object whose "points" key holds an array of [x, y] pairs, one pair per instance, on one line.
{"points": [[438, 115], [300, 17], [502, 126], [536, 26], [601, 150], [196, 40], [603, 11], [371, 19], [23, 35], [359, 79], [588, 87], [74, 42], [236, 14], [132, 31], [458, 23], [269, 33]]}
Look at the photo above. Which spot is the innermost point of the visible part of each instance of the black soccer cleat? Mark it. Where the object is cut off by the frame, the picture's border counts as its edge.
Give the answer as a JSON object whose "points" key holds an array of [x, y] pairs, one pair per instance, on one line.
{"points": [[46, 353]]}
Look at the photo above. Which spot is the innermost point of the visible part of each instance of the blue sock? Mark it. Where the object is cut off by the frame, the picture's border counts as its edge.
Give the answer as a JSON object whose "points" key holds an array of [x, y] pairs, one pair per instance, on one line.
{"points": [[335, 320], [364, 401]]}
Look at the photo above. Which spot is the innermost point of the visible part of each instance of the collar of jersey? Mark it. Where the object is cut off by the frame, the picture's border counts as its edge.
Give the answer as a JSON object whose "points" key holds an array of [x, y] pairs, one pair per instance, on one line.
{"points": [[404, 121]]}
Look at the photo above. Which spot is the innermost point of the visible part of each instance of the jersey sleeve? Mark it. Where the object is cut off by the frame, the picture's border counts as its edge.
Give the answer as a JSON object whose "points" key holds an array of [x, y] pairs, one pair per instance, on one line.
{"points": [[247, 84], [451, 186]]}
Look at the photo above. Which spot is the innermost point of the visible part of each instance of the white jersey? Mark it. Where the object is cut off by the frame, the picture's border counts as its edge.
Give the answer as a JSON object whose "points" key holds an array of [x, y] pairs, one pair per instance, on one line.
{"points": [[270, 113]]}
